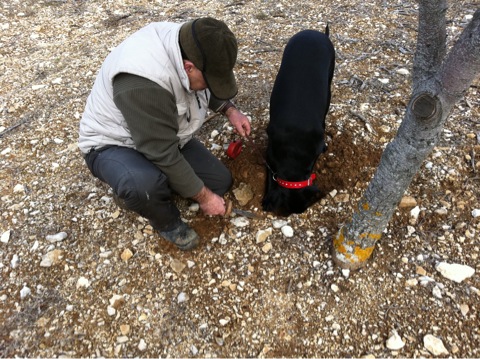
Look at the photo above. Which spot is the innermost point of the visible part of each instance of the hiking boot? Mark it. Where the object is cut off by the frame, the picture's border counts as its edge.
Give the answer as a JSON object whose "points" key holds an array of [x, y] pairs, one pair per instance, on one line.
{"points": [[184, 237], [119, 201]]}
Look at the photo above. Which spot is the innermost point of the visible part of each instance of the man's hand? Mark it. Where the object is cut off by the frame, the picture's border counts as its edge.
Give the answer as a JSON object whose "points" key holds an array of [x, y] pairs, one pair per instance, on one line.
{"points": [[239, 121], [210, 203]]}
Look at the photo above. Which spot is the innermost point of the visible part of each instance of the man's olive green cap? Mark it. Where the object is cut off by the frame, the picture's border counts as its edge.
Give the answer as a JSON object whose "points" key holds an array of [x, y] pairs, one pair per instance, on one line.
{"points": [[212, 48]]}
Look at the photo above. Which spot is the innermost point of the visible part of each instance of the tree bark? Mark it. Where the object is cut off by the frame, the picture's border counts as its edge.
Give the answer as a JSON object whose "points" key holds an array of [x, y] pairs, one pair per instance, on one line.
{"points": [[437, 85]]}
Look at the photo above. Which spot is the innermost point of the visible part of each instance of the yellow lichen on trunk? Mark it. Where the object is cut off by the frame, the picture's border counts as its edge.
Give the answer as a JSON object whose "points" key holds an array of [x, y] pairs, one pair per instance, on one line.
{"points": [[348, 254]]}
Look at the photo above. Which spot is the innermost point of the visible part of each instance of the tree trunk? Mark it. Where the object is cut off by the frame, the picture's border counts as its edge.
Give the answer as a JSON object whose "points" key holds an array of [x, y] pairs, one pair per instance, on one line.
{"points": [[438, 83]]}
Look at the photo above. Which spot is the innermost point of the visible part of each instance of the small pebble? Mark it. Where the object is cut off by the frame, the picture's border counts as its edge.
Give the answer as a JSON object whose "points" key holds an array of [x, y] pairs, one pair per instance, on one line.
{"points": [[194, 207], [455, 272], [287, 231], [182, 297], [5, 236], [394, 342], [142, 346], [279, 223], [263, 234], [240, 222], [193, 350], [52, 238], [434, 345], [83, 282], [15, 261], [267, 247], [25, 292]]}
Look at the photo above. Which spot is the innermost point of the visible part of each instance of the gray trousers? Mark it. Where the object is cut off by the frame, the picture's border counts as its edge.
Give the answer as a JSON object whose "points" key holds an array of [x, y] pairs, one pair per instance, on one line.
{"points": [[144, 187]]}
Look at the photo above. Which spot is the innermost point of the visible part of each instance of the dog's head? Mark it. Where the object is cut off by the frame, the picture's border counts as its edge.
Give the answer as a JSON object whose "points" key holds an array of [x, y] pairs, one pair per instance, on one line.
{"points": [[284, 201]]}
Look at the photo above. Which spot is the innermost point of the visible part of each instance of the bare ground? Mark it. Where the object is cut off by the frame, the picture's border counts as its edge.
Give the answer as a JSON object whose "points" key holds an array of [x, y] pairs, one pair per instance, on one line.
{"points": [[234, 296]]}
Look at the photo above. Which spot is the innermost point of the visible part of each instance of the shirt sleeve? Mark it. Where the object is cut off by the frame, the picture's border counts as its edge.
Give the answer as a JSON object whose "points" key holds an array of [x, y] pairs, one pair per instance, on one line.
{"points": [[151, 115], [217, 105]]}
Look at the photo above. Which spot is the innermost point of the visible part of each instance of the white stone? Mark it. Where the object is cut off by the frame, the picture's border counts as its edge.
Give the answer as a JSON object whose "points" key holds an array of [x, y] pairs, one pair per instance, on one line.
{"points": [[52, 238], [424, 280], [384, 81], [25, 292], [122, 339], [394, 342], [182, 297], [35, 246], [455, 272], [434, 345], [142, 346], [476, 213], [83, 282], [437, 292], [19, 188], [193, 350], [15, 261], [410, 230], [403, 71], [194, 207], [240, 221], [111, 311], [346, 273], [279, 223], [5, 236], [214, 134], [415, 212], [224, 322], [287, 231]]}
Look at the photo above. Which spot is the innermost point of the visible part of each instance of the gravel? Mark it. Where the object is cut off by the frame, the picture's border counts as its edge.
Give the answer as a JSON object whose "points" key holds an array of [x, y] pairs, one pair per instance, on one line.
{"points": [[82, 277]]}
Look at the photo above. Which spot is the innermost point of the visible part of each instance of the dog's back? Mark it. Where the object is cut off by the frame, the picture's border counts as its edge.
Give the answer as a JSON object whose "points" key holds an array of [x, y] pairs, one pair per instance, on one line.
{"points": [[298, 105], [307, 66]]}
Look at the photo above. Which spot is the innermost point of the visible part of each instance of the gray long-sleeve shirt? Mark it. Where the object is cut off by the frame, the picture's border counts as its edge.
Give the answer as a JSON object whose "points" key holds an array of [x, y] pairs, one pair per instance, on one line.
{"points": [[151, 115]]}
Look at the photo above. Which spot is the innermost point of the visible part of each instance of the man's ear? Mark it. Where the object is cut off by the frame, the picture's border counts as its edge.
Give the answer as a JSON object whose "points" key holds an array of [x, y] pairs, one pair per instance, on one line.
{"points": [[188, 66]]}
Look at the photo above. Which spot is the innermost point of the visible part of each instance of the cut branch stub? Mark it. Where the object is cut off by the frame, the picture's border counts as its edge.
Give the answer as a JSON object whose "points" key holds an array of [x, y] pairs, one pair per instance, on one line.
{"points": [[424, 106]]}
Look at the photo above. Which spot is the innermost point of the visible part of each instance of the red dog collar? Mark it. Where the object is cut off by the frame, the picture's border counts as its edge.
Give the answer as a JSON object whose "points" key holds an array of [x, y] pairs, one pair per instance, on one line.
{"points": [[301, 184]]}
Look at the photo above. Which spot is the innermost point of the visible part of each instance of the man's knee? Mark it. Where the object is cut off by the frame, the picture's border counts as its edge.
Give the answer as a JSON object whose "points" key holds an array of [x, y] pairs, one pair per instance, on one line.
{"points": [[139, 189], [223, 183]]}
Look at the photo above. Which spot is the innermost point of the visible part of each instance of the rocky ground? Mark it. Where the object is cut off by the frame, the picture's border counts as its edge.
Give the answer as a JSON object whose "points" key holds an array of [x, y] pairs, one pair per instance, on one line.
{"points": [[81, 277]]}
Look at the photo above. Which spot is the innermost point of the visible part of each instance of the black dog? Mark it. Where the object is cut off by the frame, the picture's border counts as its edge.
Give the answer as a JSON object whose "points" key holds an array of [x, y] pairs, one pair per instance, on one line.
{"points": [[298, 105]]}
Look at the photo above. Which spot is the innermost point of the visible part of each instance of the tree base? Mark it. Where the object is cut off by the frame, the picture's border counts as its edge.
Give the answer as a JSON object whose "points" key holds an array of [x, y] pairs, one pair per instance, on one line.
{"points": [[346, 264]]}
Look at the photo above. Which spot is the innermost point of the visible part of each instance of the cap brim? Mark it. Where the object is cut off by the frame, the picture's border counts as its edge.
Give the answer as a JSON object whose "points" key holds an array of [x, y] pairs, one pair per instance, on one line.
{"points": [[223, 87]]}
